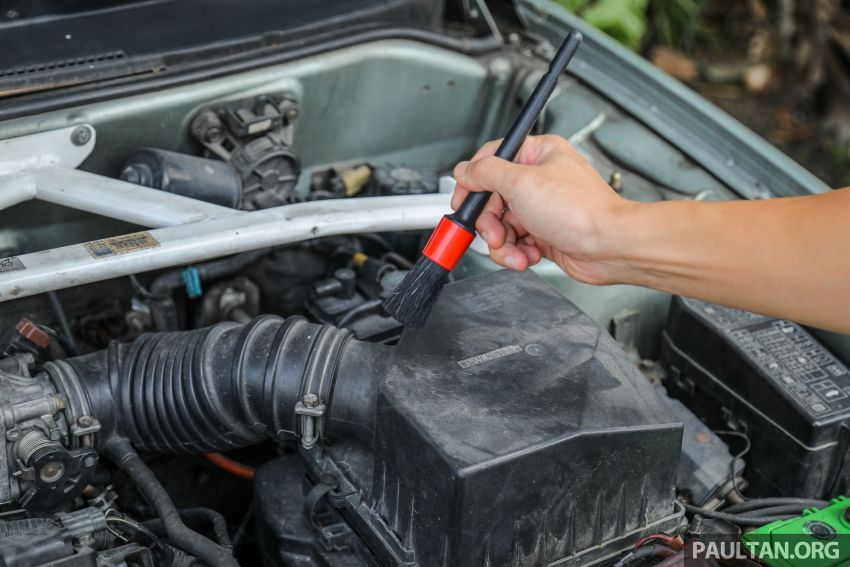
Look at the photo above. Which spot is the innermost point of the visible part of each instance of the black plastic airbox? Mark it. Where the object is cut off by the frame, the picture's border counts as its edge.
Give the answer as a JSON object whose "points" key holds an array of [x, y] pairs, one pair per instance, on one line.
{"points": [[511, 430]]}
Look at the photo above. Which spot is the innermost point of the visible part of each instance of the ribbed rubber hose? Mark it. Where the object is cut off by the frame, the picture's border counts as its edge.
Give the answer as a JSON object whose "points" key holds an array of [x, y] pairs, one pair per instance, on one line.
{"points": [[218, 388]]}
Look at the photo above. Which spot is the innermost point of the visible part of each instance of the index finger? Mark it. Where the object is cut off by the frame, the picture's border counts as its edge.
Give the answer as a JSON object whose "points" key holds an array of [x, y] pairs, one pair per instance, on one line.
{"points": [[528, 154]]}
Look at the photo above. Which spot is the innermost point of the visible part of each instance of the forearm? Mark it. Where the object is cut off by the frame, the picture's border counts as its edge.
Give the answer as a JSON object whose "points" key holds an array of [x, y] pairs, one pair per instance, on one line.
{"points": [[783, 257]]}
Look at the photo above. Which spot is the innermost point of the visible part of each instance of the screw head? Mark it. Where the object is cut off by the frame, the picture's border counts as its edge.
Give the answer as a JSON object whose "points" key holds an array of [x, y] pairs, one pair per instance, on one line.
{"points": [[90, 461], [212, 134], [616, 181], [535, 349], [85, 421], [310, 400], [81, 135], [820, 530]]}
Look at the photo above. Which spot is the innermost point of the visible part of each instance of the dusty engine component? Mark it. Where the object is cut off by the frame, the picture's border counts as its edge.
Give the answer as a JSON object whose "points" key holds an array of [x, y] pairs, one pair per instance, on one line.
{"points": [[191, 176], [506, 446], [437, 425], [192, 374], [340, 299], [73, 539], [256, 140], [46, 461], [402, 180], [705, 476], [770, 380]]}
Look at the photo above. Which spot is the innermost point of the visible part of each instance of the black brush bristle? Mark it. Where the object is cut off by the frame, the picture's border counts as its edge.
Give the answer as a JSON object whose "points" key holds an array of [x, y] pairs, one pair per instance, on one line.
{"points": [[415, 295]]}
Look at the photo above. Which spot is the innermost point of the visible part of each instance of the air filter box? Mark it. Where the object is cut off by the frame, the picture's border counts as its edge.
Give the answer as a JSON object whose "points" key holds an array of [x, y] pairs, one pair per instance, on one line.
{"points": [[510, 430], [771, 380]]}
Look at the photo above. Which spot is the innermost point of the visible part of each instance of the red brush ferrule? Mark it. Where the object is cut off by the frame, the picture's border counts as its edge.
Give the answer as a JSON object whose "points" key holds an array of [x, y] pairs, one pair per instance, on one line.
{"points": [[448, 243]]}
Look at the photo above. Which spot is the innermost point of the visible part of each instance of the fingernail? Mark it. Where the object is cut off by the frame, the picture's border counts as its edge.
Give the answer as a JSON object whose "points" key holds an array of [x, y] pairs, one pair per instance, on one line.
{"points": [[460, 169], [512, 262]]}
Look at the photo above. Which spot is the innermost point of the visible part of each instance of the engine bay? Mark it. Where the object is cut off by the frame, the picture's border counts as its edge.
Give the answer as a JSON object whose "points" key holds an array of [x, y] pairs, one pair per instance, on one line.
{"points": [[196, 368]]}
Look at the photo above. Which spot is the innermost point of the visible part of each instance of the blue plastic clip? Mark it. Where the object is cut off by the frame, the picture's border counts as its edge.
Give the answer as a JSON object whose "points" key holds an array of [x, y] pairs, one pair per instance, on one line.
{"points": [[192, 279]]}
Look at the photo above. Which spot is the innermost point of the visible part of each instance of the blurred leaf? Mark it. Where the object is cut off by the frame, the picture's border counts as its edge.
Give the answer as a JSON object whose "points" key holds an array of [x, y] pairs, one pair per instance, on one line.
{"points": [[675, 22], [625, 20]]}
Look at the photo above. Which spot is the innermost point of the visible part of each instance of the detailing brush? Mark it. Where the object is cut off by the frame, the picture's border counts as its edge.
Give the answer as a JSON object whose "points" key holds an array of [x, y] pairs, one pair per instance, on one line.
{"points": [[414, 296]]}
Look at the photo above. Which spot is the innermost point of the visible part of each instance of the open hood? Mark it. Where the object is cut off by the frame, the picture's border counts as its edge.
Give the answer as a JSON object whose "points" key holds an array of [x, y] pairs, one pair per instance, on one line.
{"points": [[53, 44]]}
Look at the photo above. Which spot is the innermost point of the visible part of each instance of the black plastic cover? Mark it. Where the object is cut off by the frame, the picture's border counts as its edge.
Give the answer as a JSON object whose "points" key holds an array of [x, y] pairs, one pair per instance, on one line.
{"points": [[772, 380], [513, 430]]}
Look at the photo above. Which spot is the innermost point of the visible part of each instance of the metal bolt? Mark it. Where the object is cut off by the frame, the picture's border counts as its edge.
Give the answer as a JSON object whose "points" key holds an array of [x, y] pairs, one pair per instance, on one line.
{"points": [[13, 434], [89, 461], [501, 69], [616, 182], [310, 400], [535, 349], [212, 134], [307, 436], [85, 421], [81, 135], [292, 114]]}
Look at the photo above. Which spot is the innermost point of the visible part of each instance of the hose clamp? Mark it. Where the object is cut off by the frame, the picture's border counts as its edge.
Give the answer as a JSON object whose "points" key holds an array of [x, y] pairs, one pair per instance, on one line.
{"points": [[311, 409]]}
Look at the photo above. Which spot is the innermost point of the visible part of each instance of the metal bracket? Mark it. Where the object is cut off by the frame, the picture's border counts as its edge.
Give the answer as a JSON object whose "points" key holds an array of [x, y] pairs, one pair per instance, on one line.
{"points": [[66, 147]]}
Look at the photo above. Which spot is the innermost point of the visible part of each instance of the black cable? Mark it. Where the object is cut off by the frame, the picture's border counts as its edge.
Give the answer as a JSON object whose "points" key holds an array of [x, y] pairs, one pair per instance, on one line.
{"points": [[243, 525], [123, 454], [138, 534], [776, 511], [733, 474], [676, 560], [740, 520], [757, 503], [398, 260], [65, 337], [138, 288], [359, 310], [215, 519], [377, 239], [645, 552]]}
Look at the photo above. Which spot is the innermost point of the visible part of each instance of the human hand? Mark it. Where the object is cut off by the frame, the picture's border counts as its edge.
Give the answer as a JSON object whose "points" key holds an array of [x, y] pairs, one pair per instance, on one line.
{"points": [[550, 203]]}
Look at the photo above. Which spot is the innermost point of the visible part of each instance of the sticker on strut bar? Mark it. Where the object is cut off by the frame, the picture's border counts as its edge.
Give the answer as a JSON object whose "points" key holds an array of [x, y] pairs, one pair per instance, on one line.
{"points": [[11, 264], [121, 244]]}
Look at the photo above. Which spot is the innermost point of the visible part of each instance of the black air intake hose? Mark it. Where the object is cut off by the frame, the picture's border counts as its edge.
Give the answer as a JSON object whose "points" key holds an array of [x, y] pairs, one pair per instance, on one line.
{"points": [[229, 386]]}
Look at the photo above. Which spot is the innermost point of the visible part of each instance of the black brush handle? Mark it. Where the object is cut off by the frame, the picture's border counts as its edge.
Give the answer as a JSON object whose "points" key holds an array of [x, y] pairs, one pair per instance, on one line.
{"points": [[473, 205]]}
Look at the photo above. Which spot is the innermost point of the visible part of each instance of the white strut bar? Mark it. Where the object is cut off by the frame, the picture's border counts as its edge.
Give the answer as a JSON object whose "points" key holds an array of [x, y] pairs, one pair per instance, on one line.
{"points": [[190, 230]]}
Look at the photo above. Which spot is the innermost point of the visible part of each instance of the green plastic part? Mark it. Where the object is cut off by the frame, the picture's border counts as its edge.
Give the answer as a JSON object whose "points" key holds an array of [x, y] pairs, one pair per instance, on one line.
{"points": [[817, 538]]}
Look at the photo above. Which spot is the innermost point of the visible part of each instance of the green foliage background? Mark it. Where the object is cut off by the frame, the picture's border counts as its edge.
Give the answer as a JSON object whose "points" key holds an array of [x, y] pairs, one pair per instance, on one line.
{"points": [[632, 22]]}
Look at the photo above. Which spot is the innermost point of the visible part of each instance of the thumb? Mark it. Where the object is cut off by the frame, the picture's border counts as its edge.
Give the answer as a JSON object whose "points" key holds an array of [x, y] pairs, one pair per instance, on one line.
{"points": [[489, 174]]}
